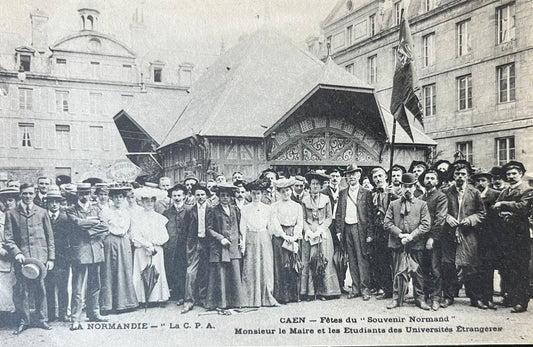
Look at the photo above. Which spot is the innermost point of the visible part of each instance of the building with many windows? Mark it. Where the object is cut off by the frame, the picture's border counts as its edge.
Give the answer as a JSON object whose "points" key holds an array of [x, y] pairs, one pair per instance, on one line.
{"points": [[58, 99], [474, 60]]}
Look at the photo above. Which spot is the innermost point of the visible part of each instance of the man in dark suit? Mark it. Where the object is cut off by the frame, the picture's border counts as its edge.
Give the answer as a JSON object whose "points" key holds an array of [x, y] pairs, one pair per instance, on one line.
{"points": [[354, 225], [57, 279], [28, 233], [42, 188], [176, 246], [490, 251], [432, 256], [466, 213], [88, 231], [195, 220], [407, 220], [514, 207], [298, 191]]}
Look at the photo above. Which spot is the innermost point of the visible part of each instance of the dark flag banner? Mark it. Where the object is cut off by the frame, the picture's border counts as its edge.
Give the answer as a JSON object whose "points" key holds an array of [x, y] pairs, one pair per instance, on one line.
{"points": [[405, 83]]}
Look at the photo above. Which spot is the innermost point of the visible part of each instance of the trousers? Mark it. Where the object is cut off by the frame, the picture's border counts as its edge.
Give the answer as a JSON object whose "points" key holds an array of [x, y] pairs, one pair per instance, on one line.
{"points": [[92, 285]]}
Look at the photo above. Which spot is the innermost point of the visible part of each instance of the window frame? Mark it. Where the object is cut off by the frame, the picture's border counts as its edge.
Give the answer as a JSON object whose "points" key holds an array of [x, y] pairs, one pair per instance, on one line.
{"points": [[510, 151], [27, 134], [468, 151], [462, 38], [510, 90], [372, 25], [432, 87], [372, 69], [158, 72], [25, 102], [500, 30], [428, 49], [468, 92], [62, 104]]}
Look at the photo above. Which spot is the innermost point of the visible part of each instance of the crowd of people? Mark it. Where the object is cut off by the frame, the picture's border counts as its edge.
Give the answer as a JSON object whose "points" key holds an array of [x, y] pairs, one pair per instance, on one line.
{"points": [[232, 244]]}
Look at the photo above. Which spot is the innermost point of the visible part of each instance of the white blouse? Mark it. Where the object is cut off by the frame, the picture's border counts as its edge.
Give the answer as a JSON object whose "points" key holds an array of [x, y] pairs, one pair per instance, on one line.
{"points": [[148, 228]]}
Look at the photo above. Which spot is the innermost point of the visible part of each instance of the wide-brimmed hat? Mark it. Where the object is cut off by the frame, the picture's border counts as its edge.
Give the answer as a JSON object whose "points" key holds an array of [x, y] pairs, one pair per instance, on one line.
{"points": [[190, 177], [284, 183], [224, 187], [33, 269], [258, 184], [317, 176], [513, 165], [118, 188], [83, 188], [9, 192], [200, 187], [408, 178], [442, 161], [150, 192], [482, 173], [177, 186], [352, 168]]}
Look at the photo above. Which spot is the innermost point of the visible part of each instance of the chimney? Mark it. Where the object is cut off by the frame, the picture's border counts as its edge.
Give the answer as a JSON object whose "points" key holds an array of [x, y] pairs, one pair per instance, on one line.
{"points": [[39, 35]]}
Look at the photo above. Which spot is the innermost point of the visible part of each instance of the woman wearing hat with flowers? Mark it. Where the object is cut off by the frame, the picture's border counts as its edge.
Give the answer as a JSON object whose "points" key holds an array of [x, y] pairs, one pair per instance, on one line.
{"points": [[319, 276], [224, 288], [117, 293], [257, 228], [286, 242], [148, 235]]}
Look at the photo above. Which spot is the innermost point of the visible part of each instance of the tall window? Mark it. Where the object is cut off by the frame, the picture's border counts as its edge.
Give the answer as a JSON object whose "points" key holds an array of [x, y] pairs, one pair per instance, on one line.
{"points": [[126, 72], [506, 83], [372, 25], [428, 45], [463, 38], [25, 62], [505, 17], [398, 12], [61, 101], [96, 134], [63, 136], [95, 69], [505, 149], [158, 72], [349, 35], [464, 92], [466, 149], [26, 99], [428, 5], [61, 66], [430, 97], [26, 134], [349, 68], [95, 103], [372, 69]]}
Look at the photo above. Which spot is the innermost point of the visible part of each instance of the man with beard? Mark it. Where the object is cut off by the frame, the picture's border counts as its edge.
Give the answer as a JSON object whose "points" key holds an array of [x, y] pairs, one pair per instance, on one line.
{"points": [[466, 212], [396, 173], [175, 249], [489, 247], [514, 207], [417, 168], [212, 199], [407, 220], [240, 194], [431, 258], [442, 167], [380, 267]]}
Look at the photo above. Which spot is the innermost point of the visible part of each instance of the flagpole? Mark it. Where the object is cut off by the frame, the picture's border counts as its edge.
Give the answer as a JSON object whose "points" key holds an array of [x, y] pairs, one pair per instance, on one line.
{"points": [[391, 163]]}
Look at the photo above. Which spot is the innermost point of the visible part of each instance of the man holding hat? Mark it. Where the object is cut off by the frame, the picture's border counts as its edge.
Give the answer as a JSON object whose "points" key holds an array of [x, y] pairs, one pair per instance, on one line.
{"points": [[355, 227], [407, 220], [514, 207], [30, 239], [86, 239], [57, 278]]}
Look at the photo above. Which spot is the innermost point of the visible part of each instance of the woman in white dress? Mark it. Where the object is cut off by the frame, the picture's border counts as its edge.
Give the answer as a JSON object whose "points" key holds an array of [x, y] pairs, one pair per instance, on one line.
{"points": [[256, 229], [148, 235]]}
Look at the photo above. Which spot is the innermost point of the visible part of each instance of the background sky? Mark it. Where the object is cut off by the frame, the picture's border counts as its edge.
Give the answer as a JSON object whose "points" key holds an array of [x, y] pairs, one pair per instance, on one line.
{"points": [[196, 28]]}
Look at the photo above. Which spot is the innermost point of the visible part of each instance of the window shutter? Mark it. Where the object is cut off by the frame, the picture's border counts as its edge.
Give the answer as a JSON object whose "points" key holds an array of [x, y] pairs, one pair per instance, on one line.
{"points": [[38, 135], [52, 136], [36, 99], [16, 135], [75, 136], [107, 104], [51, 101], [3, 132], [14, 97]]}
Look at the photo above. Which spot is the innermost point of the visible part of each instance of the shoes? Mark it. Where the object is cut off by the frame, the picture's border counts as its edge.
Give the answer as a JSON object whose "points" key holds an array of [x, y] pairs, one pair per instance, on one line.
{"points": [[423, 305], [21, 328], [383, 296], [435, 305], [353, 295], [518, 309], [163, 304], [179, 302], [491, 305], [76, 326], [43, 325], [366, 296], [481, 305], [322, 298], [394, 303], [373, 291], [98, 319], [446, 302], [187, 307]]}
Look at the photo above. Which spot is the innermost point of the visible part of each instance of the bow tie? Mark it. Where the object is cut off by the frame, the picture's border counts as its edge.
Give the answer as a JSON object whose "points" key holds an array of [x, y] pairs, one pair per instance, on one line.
{"points": [[404, 198], [379, 190]]}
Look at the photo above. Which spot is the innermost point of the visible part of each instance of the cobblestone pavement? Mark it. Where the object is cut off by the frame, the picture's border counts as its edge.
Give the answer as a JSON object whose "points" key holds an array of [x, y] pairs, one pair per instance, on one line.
{"points": [[333, 322]]}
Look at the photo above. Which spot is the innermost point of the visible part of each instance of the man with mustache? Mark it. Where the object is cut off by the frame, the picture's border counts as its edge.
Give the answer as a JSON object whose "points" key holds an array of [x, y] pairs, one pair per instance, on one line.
{"points": [[513, 207]]}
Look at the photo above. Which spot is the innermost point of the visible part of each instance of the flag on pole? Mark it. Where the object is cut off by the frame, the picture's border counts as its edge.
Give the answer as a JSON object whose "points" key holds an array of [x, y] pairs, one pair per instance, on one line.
{"points": [[405, 82]]}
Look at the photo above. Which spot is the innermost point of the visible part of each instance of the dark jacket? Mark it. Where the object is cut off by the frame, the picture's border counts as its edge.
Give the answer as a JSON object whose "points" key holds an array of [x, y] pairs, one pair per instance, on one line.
{"points": [[417, 223], [30, 234], [223, 226], [61, 227], [177, 231], [438, 209], [87, 233], [365, 215]]}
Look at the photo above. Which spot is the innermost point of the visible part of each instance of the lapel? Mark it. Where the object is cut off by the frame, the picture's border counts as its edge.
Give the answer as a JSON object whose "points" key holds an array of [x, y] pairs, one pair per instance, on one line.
{"points": [[23, 212]]}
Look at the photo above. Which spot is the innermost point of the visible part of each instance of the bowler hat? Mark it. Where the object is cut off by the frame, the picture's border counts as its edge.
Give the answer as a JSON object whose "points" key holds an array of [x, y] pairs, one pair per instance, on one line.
{"points": [[480, 174], [513, 165], [83, 188], [33, 269], [408, 179], [352, 168], [497, 172]]}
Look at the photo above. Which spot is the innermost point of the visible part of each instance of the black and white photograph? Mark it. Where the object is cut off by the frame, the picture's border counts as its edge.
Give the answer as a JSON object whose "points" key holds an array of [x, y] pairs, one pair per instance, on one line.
{"points": [[266, 172]]}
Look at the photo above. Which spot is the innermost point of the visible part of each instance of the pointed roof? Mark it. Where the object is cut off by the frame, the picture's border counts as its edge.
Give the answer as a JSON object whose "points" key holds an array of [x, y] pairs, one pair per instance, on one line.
{"points": [[253, 85]]}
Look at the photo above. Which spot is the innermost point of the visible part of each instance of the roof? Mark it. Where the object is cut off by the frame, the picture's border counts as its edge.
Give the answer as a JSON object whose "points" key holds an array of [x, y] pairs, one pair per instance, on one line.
{"points": [[419, 137], [253, 85]]}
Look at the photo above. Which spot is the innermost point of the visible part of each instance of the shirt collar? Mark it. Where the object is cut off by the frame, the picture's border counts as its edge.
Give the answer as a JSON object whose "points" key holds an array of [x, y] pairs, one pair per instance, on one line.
{"points": [[84, 206], [514, 186]]}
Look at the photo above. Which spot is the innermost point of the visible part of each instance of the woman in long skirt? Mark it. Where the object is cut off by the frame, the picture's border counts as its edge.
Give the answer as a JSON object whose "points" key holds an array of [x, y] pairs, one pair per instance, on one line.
{"points": [[286, 243], [319, 277], [256, 229], [8, 197], [117, 292], [148, 235]]}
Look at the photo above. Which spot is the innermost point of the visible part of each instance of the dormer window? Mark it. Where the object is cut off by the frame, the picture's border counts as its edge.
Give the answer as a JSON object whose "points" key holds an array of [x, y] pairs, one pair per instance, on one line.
{"points": [[23, 58], [157, 71], [25, 62]]}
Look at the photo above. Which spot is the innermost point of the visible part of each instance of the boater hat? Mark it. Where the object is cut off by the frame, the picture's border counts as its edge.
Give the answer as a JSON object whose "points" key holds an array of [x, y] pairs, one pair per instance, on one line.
{"points": [[33, 269], [83, 188], [9, 192], [224, 187], [54, 193]]}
